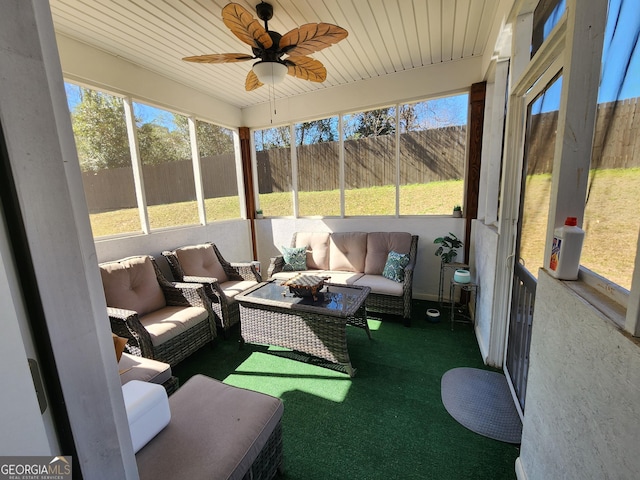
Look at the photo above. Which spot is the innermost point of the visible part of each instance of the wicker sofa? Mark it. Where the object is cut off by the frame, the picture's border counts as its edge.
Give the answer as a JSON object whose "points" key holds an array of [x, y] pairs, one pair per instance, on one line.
{"points": [[357, 258]]}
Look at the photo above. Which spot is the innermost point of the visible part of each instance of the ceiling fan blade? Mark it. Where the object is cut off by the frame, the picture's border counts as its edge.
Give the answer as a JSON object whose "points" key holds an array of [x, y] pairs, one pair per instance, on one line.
{"points": [[219, 58], [306, 68], [245, 27], [252, 82], [310, 38]]}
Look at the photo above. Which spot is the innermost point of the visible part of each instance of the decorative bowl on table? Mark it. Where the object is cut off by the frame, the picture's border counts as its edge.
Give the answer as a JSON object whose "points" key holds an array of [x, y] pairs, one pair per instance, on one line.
{"points": [[462, 276], [305, 285]]}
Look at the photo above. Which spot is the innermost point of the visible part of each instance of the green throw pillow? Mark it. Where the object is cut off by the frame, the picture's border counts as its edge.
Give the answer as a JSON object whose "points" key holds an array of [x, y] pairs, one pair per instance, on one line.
{"points": [[294, 258], [394, 268]]}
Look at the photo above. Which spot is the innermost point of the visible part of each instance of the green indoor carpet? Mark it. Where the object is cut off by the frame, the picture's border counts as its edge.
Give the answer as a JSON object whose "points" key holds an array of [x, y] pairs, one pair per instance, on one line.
{"points": [[388, 422]]}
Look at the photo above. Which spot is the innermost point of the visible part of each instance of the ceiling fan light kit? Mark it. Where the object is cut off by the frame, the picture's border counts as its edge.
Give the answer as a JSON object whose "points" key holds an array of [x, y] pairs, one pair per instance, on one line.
{"points": [[278, 55], [270, 73]]}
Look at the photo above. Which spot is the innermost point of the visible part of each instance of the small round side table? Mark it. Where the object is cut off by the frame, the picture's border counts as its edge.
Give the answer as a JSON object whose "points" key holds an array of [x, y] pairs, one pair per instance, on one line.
{"points": [[464, 287]]}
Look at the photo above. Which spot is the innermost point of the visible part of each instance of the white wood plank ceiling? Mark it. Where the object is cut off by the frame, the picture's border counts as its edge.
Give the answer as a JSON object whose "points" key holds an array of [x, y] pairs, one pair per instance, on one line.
{"points": [[385, 36]]}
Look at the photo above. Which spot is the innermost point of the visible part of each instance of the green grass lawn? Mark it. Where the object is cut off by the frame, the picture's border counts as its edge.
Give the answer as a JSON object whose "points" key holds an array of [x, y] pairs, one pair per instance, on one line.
{"points": [[607, 216]]}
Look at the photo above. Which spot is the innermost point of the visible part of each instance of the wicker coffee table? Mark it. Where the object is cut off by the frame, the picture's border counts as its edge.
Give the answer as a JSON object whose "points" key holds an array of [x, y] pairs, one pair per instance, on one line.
{"points": [[270, 314]]}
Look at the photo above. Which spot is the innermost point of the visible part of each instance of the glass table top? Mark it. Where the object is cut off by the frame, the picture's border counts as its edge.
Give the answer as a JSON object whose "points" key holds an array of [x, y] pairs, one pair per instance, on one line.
{"points": [[339, 299]]}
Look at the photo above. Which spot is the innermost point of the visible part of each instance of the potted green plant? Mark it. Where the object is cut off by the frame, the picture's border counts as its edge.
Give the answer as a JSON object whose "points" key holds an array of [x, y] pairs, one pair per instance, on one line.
{"points": [[448, 247], [457, 211], [259, 214]]}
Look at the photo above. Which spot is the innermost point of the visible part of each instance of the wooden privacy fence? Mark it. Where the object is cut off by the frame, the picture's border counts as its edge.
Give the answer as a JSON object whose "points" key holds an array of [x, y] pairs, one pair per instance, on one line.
{"points": [[164, 183], [616, 141], [426, 156]]}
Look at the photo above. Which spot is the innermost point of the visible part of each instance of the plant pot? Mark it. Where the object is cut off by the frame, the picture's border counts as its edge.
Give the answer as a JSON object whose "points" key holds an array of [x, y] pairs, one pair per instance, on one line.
{"points": [[457, 214]]}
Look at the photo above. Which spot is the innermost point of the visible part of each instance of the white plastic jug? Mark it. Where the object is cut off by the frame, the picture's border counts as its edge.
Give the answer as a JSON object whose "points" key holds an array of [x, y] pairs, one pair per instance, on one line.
{"points": [[566, 249]]}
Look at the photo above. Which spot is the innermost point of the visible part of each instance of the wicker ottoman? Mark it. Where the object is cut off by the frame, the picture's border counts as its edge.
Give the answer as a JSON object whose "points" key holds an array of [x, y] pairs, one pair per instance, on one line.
{"points": [[216, 432]]}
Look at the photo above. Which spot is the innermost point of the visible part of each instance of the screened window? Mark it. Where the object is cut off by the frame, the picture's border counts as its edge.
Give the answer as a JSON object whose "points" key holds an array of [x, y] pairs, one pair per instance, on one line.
{"points": [[100, 131], [368, 169], [219, 172], [614, 179], [370, 162], [433, 137], [165, 154], [318, 156], [542, 123], [273, 158], [546, 16]]}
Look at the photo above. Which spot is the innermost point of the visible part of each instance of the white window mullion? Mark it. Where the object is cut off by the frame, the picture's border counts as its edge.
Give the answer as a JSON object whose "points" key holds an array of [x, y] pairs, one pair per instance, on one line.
{"points": [[294, 169], [491, 183], [240, 176], [397, 154], [136, 164], [254, 171], [632, 322], [197, 171], [341, 159]]}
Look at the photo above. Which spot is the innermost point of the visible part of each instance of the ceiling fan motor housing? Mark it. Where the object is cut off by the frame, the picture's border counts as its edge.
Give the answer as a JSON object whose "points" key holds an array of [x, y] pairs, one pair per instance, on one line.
{"points": [[264, 11], [273, 53]]}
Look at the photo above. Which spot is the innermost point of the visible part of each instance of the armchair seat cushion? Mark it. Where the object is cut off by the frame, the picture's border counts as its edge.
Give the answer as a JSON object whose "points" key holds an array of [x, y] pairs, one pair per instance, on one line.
{"points": [[169, 322], [132, 367], [231, 289]]}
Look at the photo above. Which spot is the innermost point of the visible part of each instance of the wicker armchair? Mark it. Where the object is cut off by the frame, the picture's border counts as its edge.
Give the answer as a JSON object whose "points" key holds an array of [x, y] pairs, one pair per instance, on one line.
{"points": [[222, 280], [161, 320]]}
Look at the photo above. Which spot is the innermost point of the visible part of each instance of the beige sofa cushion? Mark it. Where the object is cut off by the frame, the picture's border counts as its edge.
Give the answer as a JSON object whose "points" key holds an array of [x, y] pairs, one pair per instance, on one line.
{"points": [[131, 284], [380, 285], [201, 261], [347, 251], [379, 244], [317, 244]]}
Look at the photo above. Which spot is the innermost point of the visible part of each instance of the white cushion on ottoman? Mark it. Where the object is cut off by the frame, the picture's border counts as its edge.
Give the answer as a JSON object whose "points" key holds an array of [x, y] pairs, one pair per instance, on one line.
{"points": [[147, 408]]}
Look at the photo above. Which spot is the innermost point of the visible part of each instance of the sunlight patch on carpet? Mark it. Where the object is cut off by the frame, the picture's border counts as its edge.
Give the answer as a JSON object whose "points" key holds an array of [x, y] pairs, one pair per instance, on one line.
{"points": [[286, 374]]}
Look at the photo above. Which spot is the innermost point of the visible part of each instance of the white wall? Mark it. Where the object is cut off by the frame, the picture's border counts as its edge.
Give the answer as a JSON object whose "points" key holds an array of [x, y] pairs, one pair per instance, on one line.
{"points": [[234, 241], [582, 410], [434, 80], [484, 250], [232, 237], [272, 234]]}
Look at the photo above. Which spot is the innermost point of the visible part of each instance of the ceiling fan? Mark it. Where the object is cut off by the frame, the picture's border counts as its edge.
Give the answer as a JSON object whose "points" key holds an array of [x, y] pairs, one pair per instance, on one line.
{"points": [[270, 47]]}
